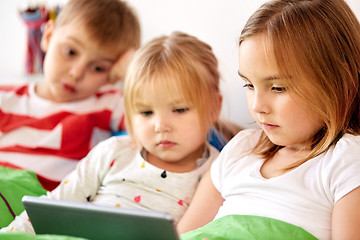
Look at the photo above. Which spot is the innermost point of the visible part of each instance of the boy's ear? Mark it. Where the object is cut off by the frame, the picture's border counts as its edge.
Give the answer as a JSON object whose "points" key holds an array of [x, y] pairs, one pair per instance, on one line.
{"points": [[48, 31]]}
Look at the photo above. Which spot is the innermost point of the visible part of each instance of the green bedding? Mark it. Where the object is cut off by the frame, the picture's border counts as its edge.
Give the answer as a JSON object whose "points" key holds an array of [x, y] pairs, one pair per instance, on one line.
{"points": [[14, 184], [244, 227], [22, 236]]}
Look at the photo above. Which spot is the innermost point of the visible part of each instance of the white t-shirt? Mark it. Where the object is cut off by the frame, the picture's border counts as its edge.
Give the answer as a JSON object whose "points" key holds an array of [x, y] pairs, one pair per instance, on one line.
{"points": [[304, 196], [115, 173]]}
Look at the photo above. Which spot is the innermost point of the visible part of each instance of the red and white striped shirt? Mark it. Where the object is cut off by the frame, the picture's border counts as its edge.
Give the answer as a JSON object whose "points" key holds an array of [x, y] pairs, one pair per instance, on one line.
{"points": [[50, 138]]}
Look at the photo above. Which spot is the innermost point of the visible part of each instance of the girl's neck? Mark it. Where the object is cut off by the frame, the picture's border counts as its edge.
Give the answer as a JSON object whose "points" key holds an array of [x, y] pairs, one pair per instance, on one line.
{"points": [[278, 164], [185, 164]]}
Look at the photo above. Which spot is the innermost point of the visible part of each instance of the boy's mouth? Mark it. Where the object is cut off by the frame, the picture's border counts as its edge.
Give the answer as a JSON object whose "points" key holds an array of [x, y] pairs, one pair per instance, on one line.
{"points": [[69, 87]]}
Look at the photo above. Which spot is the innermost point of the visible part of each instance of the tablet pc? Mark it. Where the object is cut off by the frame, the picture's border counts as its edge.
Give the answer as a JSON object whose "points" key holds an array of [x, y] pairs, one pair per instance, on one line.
{"points": [[87, 220]]}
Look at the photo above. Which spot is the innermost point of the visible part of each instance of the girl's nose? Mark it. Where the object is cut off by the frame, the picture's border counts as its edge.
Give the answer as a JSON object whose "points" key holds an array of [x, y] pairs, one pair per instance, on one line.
{"points": [[260, 103], [161, 124]]}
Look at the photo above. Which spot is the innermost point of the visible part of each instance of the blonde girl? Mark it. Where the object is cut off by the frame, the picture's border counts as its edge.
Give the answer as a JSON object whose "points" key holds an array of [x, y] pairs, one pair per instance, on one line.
{"points": [[172, 99]]}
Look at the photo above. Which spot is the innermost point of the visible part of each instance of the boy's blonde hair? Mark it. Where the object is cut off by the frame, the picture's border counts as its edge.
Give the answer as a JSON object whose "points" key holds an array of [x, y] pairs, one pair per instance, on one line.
{"points": [[316, 44], [109, 22], [180, 63]]}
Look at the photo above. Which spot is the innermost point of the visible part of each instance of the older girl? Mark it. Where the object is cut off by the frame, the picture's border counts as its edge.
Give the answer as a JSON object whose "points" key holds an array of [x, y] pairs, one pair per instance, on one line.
{"points": [[300, 63]]}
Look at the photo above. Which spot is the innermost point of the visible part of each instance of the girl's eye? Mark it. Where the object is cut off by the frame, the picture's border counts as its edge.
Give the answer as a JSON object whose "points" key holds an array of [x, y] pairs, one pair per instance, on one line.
{"points": [[248, 86], [146, 113], [279, 89], [181, 110]]}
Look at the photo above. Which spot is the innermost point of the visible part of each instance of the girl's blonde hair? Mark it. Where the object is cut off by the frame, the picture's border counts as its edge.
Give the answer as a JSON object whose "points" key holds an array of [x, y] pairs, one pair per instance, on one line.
{"points": [[111, 23], [316, 44], [180, 63]]}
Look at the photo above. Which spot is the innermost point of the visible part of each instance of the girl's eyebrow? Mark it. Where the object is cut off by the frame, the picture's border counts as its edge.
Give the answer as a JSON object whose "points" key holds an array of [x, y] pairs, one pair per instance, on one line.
{"points": [[179, 102], [269, 78], [140, 104], [242, 76]]}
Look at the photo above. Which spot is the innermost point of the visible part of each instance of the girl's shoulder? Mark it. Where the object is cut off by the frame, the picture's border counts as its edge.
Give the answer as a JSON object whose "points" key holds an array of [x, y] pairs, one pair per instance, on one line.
{"points": [[348, 145], [342, 156], [340, 165], [240, 146], [349, 140], [117, 144], [246, 139], [120, 148]]}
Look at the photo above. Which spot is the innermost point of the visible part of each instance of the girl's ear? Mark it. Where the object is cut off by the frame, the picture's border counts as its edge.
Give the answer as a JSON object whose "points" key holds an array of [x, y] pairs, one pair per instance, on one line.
{"points": [[48, 31]]}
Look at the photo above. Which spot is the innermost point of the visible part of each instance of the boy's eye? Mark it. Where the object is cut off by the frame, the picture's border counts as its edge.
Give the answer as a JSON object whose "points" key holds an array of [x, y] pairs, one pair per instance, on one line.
{"points": [[99, 69], [69, 52]]}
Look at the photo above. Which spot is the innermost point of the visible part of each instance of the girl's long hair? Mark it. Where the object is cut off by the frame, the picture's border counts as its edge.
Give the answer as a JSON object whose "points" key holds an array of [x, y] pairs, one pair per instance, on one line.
{"points": [[317, 43]]}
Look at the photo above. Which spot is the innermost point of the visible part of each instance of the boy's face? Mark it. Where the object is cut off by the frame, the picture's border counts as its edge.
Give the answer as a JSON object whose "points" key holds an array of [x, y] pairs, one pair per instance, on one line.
{"points": [[169, 128], [75, 66]]}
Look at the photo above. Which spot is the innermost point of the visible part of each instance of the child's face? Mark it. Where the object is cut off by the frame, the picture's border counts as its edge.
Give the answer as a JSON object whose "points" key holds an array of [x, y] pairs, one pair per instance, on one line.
{"points": [[75, 66], [169, 129], [284, 117]]}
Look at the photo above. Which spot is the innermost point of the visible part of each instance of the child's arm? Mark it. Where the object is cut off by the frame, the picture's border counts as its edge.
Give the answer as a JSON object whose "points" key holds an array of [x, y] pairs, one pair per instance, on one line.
{"points": [[83, 183], [204, 206], [346, 217], [20, 224], [77, 186], [80, 185], [118, 70], [73, 188]]}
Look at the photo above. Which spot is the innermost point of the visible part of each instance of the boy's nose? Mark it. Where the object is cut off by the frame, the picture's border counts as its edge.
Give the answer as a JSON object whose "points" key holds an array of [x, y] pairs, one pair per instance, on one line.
{"points": [[77, 71]]}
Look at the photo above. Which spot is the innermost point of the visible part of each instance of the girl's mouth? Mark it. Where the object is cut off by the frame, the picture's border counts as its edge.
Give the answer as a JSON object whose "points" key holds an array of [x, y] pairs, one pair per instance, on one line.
{"points": [[166, 144], [268, 126]]}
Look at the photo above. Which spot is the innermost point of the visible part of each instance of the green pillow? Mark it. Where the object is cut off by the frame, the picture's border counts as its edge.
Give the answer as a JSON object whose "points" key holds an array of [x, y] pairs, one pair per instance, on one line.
{"points": [[14, 184], [245, 227]]}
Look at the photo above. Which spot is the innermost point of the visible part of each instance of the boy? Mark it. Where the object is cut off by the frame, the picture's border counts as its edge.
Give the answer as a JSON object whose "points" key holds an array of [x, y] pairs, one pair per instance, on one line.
{"points": [[46, 127]]}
